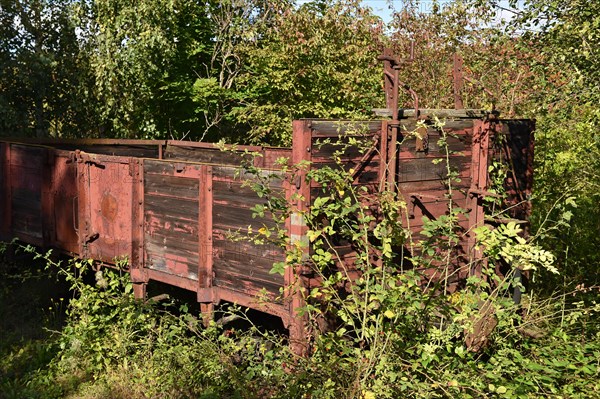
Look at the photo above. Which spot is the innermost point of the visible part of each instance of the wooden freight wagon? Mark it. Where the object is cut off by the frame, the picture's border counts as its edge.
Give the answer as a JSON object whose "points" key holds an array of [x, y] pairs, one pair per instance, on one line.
{"points": [[172, 207]]}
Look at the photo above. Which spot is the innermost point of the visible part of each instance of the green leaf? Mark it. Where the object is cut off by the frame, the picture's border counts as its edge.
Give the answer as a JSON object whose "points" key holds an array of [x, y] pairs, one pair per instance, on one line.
{"points": [[278, 268]]}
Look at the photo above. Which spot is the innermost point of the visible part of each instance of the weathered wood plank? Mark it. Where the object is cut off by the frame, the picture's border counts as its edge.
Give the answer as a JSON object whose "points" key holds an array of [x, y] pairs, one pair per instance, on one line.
{"points": [[236, 194], [26, 220], [170, 231], [117, 150], [334, 128], [426, 185], [167, 168], [171, 260], [227, 274], [238, 174], [181, 208], [459, 143], [206, 155], [228, 217], [28, 157], [171, 186], [257, 255], [420, 169], [341, 149]]}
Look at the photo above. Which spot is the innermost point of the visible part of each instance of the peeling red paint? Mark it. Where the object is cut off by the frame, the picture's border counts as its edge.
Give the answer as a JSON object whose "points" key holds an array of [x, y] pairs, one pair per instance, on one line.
{"points": [[173, 218]]}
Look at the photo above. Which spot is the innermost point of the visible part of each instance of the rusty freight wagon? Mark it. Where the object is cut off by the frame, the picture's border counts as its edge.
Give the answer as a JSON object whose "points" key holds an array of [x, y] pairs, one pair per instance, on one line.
{"points": [[169, 207]]}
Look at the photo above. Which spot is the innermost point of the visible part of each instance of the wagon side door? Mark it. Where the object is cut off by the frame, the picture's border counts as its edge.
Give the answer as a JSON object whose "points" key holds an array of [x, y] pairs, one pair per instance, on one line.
{"points": [[106, 211]]}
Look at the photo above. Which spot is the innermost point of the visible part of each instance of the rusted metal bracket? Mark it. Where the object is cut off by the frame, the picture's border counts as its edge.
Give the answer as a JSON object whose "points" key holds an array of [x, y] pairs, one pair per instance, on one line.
{"points": [[88, 161], [392, 84], [91, 238], [391, 67], [76, 214]]}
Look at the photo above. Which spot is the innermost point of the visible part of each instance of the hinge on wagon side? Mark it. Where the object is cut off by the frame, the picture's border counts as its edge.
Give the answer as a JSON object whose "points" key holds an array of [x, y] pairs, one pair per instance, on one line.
{"points": [[94, 163], [89, 160]]}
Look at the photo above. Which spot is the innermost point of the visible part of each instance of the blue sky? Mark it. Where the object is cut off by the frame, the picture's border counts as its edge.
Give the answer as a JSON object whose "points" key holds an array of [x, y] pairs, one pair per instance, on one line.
{"points": [[382, 9]]}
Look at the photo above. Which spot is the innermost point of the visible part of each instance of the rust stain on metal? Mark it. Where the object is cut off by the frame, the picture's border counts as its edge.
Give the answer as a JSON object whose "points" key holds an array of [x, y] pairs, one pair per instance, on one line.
{"points": [[109, 207]]}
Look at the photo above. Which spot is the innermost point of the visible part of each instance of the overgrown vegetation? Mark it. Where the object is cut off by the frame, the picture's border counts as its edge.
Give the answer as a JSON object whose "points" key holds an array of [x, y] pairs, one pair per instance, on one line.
{"points": [[399, 329], [240, 71]]}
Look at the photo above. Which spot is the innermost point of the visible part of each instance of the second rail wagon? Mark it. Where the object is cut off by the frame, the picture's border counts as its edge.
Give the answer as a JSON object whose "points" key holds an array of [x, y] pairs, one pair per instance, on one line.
{"points": [[170, 207]]}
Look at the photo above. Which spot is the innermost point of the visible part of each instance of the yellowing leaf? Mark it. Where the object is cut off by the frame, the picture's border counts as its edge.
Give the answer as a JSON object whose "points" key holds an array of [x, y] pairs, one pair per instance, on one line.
{"points": [[368, 395]]}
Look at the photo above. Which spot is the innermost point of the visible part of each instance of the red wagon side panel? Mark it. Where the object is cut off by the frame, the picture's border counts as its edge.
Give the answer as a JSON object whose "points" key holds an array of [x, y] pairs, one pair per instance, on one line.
{"points": [[26, 178], [5, 194], [106, 211]]}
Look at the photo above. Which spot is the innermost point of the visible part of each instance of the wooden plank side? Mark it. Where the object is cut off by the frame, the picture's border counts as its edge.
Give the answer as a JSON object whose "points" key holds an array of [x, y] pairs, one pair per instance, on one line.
{"points": [[421, 169], [238, 194], [109, 220], [171, 260], [5, 195], [455, 143], [238, 174], [30, 157], [261, 255], [334, 128], [206, 155], [171, 186], [171, 168], [340, 147], [273, 156], [244, 266], [25, 168], [178, 208], [150, 151], [437, 186], [240, 265], [171, 218], [234, 218], [26, 219], [517, 151], [62, 199], [235, 274]]}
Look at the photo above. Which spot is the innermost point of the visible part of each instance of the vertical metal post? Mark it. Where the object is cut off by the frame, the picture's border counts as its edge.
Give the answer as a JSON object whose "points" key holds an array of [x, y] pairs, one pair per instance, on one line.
{"points": [[206, 292], [298, 195], [384, 167], [479, 185], [83, 184], [390, 77], [137, 263], [392, 83], [457, 74]]}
